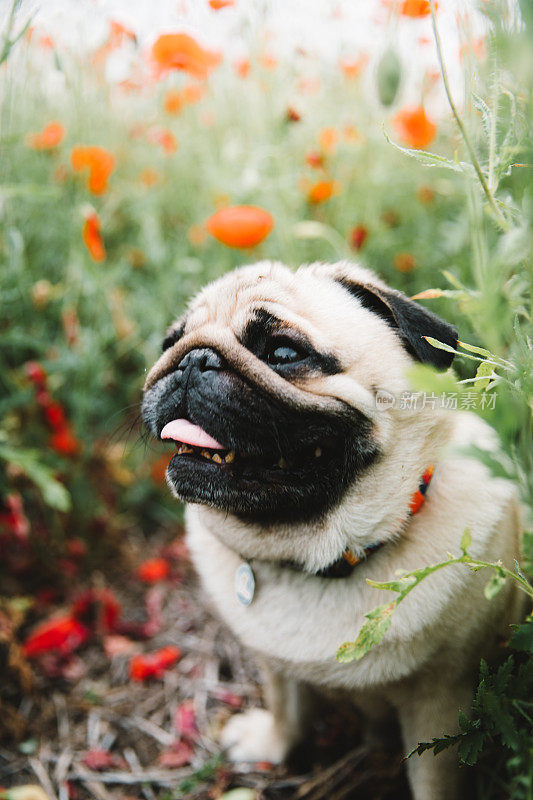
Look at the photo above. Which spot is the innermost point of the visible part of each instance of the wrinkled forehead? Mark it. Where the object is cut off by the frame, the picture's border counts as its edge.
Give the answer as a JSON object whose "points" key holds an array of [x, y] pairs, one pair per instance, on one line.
{"points": [[231, 300]]}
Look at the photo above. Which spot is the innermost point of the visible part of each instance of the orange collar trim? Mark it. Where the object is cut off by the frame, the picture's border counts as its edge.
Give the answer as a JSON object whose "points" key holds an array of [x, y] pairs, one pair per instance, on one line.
{"points": [[416, 502]]}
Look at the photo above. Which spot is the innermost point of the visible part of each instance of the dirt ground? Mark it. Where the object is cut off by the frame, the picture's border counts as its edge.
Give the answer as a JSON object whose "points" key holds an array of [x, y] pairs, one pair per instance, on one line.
{"points": [[91, 731]]}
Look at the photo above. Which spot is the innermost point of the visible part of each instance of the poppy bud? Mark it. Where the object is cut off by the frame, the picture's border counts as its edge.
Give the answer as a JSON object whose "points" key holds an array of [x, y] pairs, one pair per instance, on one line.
{"points": [[389, 75]]}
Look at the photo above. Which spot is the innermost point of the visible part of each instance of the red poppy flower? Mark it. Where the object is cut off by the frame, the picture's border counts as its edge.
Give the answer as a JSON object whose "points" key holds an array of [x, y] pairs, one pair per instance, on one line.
{"points": [[54, 415], [99, 759], [153, 665], [49, 138], [415, 127], [153, 570], [92, 237], [178, 755], [185, 720], [291, 115], [12, 517], [358, 236], [64, 442], [218, 4], [181, 51], [62, 635], [36, 374], [240, 226], [314, 159]]}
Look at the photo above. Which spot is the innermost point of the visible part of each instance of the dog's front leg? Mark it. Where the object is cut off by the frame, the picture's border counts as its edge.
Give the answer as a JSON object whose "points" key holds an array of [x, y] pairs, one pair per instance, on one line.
{"points": [[269, 734], [427, 710]]}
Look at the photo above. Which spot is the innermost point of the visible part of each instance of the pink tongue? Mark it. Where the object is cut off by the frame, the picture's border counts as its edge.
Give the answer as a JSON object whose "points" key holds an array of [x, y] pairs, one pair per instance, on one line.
{"points": [[181, 430]]}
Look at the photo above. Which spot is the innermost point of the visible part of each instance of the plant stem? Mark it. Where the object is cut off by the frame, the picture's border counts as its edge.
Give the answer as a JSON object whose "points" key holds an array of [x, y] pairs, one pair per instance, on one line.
{"points": [[479, 172]]}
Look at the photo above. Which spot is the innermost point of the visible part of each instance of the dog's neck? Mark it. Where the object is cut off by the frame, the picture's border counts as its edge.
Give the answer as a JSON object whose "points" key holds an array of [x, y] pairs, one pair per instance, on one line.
{"points": [[373, 510]]}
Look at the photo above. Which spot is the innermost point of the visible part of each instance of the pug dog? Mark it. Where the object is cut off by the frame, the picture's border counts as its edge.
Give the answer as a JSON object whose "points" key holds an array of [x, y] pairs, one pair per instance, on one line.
{"points": [[300, 455]]}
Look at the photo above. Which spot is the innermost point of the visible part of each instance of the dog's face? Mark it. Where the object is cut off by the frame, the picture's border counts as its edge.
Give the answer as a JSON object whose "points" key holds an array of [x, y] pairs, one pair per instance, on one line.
{"points": [[268, 386]]}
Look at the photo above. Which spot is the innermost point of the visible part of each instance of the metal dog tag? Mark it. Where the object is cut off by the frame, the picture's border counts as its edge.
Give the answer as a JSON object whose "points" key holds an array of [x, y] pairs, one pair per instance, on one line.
{"points": [[244, 584]]}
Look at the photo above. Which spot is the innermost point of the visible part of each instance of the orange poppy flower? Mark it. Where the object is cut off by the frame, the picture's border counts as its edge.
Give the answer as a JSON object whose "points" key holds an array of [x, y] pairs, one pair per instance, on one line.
{"points": [[309, 85], [92, 237], [415, 8], [175, 99], [352, 67], [218, 4], [118, 32], [328, 139], [321, 191], [173, 102], [197, 235], [49, 138], [193, 93], [98, 161], [350, 133], [165, 138], [415, 127], [242, 67], [268, 61], [404, 262], [149, 177], [240, 226], [181, 51], [425, 194]]}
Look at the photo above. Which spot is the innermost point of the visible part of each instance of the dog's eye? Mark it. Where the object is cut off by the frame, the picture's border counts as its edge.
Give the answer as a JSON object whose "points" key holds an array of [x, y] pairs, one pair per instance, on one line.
{"points": [[282, 354]]}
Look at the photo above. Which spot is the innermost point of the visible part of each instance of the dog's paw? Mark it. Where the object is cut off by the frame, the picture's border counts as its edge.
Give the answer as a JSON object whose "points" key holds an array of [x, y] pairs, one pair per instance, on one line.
{"points": [[254, 736]]}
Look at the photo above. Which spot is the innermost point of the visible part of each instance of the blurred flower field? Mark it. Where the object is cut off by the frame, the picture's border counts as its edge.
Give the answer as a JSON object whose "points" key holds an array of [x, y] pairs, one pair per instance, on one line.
{"points": [[120, 200]]}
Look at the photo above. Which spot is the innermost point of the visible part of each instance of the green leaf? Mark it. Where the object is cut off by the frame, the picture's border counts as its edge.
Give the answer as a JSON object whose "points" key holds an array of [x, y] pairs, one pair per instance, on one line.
{"points": [[471, 746], [372, 632], [495, 585], [522, 637], [54, 493], [480, 351], [394, 586], [432, 159], [466, 540], [484, 373], [439, 345]]}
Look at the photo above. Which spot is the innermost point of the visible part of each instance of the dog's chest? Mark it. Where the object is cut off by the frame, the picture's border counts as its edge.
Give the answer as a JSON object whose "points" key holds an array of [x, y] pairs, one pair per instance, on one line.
{"points": [[296, 619]]}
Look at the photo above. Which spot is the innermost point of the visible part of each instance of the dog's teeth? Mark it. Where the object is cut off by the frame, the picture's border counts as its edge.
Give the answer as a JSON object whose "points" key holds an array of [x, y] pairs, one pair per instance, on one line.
{"points": [[318, 452], [216, 458], [282, 464], [230, 457], [184, 449], [205, 454]]}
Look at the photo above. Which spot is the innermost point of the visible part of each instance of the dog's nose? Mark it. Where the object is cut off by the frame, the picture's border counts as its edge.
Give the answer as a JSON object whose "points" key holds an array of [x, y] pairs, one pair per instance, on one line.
{"points": [[203, 358]]}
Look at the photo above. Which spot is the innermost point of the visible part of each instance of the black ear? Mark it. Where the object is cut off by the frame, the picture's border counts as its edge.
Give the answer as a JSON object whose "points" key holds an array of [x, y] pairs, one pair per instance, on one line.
{"points": [[412, 322], [174, 333]]}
